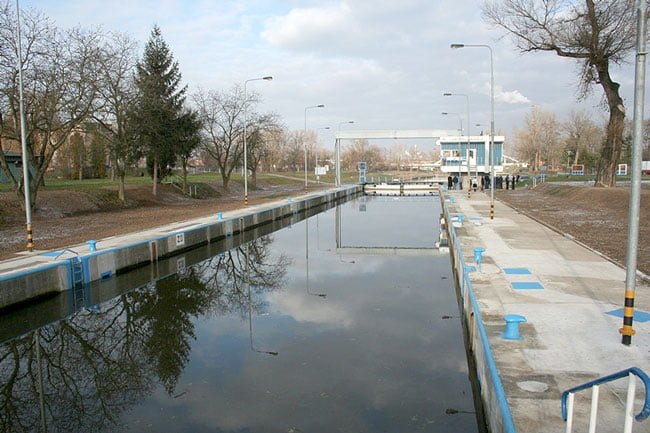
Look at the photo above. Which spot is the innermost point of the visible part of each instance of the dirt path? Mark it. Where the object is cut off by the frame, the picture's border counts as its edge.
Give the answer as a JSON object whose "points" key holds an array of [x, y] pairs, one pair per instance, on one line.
{"points": [[64, 218]]}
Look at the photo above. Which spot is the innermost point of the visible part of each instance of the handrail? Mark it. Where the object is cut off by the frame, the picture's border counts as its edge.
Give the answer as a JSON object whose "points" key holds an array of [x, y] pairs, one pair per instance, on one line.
{"points": [[645, 411], [499, 391]]}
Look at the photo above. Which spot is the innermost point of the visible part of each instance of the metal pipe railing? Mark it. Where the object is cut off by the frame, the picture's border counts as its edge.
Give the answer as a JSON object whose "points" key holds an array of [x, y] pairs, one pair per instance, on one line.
{"points": [[488, 359], [568, 398]]}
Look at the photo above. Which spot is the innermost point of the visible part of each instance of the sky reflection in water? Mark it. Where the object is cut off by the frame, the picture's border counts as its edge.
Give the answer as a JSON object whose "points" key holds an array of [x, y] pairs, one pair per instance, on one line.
{"points": [[361, 345]]}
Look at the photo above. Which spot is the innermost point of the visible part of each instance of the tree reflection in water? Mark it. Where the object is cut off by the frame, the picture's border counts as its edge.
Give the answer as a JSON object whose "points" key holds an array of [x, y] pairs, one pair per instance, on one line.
{"points": [[96, 365]]}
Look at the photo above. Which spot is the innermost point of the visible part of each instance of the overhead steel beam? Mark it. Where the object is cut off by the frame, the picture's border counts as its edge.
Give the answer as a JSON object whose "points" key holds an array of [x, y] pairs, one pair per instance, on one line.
{"points": [[394, 134]]}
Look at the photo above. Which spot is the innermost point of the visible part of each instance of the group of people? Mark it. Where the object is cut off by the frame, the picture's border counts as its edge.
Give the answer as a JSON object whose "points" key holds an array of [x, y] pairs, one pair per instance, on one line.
{"points": [[453, 182]]}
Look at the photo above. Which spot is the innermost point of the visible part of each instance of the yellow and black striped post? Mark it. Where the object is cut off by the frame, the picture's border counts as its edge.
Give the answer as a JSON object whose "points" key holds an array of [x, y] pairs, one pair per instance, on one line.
{"points": [[30, 238], [628, 317]]}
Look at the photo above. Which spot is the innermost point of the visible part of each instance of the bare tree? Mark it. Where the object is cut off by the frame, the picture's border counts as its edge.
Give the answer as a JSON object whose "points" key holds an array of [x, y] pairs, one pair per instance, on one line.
{"points": [[538, 141], [598, 34], [117, 92], [59, 78], [362, 150], [261, 131], [583, 137], [222, 118]]}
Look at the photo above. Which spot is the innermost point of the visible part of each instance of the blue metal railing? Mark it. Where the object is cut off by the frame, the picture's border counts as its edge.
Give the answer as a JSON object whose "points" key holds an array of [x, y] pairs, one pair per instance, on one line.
{"points": [[645, 411], [506, 415]]}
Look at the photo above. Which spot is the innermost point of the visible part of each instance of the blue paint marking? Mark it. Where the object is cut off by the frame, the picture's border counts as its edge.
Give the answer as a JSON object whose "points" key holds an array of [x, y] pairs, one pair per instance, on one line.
{"points": [[527, 286], [639, 316], [516, 271]]}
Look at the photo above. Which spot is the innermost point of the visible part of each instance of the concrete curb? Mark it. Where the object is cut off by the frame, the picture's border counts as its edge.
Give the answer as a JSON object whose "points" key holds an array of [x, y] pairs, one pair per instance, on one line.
{"points": [[46, 273]]}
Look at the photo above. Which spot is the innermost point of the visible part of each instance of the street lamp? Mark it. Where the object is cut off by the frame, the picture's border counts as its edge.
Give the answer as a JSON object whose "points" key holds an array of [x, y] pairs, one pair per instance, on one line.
{"points": [[457, 46], [23, 136], [267, 78], [444, 113], [304, 138], [469, 133]]}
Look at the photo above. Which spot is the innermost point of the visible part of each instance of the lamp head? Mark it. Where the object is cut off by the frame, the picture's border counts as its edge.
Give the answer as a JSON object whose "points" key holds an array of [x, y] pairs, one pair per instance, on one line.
{"points": [[446, 94], [444, 113], [320, 105], [456, 46], [267, 78]]}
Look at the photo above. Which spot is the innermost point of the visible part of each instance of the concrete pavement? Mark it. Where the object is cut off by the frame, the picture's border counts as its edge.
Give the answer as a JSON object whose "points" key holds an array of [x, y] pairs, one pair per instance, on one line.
{"points": [[572, 300]]}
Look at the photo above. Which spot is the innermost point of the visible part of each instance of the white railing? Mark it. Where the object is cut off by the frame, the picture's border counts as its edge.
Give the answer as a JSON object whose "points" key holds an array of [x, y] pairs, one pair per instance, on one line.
{"points": [[630, 373]]}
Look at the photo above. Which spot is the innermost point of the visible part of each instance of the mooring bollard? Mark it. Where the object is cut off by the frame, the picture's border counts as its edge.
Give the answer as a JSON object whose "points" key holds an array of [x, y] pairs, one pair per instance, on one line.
{"points": [[92, 246], [478, 256], [512, 327], [460, 217], [219, 215]]}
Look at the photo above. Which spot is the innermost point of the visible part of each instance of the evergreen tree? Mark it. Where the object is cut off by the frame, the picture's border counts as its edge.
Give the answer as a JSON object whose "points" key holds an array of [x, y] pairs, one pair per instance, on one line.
{"points": [[159, 108]]}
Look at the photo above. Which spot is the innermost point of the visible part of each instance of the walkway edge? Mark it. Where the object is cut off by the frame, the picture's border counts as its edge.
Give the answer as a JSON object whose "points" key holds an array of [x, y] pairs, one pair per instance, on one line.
{"points": [[37, 275], [498, 414]]}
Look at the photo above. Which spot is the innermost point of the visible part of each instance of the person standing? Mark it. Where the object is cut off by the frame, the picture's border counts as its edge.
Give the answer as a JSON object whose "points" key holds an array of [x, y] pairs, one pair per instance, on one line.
{"points": [[455, 181], [449, 182]]}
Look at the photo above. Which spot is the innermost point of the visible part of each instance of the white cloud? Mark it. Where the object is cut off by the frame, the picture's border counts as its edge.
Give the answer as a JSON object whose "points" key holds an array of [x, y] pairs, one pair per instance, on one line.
{"points": [[307, 26], [510, 97], [383, 63]]}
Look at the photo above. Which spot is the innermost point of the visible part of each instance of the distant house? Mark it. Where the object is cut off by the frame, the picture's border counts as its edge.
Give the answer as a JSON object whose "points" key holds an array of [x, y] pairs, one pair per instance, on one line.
{"points": [[457, 151]]}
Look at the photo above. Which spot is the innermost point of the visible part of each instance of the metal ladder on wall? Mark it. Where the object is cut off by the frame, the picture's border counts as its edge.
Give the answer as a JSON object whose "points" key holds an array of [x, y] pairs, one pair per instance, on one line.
{"points": [[77, 279], [630, 373]]}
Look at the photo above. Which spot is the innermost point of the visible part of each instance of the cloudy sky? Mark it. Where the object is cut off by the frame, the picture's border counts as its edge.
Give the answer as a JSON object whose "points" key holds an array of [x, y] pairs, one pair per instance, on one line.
{"points": [[383, 63]]}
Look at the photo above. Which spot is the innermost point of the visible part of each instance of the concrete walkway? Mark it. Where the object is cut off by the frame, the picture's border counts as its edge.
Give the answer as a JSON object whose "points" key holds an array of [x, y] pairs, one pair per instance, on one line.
{"points": [[569, 296]]}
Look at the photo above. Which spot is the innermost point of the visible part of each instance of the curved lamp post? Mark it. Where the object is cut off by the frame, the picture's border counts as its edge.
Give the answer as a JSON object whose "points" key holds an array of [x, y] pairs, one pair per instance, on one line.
{"points": [[457, 46], [267, 78]]}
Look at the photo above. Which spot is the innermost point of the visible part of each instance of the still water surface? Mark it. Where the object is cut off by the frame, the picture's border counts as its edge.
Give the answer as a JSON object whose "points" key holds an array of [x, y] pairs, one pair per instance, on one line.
{"points": [[334, 324]]}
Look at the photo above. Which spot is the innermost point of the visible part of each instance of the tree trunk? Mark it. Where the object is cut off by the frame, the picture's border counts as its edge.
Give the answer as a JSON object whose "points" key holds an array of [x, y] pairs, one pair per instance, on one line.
{"points": [[611, 150], [120, 187], [184, 176], [254, 178], [155, 176], [225, 178]]}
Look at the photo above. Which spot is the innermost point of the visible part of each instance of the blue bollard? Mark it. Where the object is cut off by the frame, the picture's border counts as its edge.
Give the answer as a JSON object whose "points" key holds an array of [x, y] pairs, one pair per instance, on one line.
{"points": [[219, 216], [478, 255], [460, 217], [512, 327], [92, 246]]}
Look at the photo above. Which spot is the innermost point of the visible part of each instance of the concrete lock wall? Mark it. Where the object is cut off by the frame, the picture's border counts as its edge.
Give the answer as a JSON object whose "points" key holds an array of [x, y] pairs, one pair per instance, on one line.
{"points": [[497, 411], [32, 282]]}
